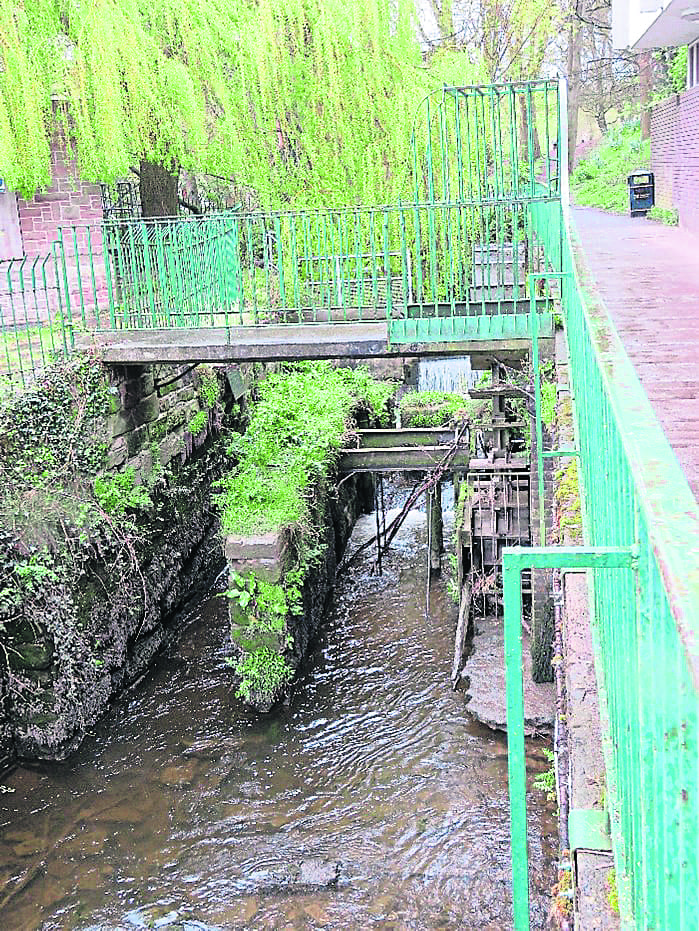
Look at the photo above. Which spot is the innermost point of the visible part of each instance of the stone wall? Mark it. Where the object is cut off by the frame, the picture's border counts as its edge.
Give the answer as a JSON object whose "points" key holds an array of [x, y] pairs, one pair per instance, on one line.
{"points": [[80, 639], [267, 555], [675, 155]]}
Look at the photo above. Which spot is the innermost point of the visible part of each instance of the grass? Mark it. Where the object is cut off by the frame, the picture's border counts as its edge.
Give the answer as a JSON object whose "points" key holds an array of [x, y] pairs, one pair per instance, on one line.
{"points": [[437, 408], [600, 180], [663, 215], [26, 349], [294, 435]]}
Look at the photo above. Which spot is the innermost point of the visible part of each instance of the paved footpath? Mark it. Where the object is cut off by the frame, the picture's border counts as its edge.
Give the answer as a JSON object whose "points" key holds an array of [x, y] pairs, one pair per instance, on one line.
{"points": [[648, 277]]}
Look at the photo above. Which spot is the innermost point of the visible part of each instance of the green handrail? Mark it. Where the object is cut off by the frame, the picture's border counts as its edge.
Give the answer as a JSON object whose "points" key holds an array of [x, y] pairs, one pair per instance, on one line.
{"points": [[645, 628]]}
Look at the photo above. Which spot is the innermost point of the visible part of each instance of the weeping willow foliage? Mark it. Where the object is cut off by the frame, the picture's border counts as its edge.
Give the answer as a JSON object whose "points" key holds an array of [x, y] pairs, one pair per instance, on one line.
{"points": [[302, 100]]}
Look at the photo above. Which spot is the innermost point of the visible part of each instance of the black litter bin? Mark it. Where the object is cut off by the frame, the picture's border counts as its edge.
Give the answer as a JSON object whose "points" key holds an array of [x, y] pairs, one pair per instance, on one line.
{"points": [[641, 193]]}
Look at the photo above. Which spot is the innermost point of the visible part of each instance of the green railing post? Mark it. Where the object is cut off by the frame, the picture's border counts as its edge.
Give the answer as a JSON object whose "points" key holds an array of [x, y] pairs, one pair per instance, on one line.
{"points": [[513, 561]]}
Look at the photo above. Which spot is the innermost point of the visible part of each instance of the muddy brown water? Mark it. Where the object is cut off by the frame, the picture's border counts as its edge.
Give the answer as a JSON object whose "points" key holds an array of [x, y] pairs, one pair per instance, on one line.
{"points": [[183, 810]]}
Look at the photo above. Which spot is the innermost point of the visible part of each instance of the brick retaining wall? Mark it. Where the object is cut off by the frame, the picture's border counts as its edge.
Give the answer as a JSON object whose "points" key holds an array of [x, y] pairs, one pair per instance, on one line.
{"points": [[675, 155]]}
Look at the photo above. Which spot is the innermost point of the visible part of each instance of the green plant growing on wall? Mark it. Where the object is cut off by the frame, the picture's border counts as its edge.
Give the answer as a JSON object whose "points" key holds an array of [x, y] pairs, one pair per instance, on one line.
{"points": [[197, 422], [548, 403], [546, 782], [259, 614], [119, 492], [438, 408], [284, 463], [567, 497], [209, 389], [612, 891], [262, 672]]}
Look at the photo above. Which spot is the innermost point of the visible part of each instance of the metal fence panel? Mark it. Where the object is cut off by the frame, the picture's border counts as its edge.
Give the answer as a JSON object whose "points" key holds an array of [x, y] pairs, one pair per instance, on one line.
{"points": [[645, 627]]}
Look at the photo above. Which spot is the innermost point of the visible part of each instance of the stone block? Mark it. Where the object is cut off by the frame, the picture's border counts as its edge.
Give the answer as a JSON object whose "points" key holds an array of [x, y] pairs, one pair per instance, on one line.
{"points": [[267, 569], [137, 386], [119, 423], [171, 447], [137, 439], [271, 545], [117, 454], [264, 554], [146, 411], [236, 381]]}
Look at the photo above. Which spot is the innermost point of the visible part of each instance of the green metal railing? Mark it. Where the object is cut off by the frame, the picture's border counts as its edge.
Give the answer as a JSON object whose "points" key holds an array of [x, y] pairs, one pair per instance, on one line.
{"points": [[462, 247], [645, 622], [486, 143], [33, 326], [411, 262]]}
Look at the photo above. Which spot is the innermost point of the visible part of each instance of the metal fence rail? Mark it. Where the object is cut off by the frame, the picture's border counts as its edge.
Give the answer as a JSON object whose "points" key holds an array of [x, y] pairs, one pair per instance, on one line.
{"points": [[461, 247], [407, 261], [489, 142], [646, 622]]}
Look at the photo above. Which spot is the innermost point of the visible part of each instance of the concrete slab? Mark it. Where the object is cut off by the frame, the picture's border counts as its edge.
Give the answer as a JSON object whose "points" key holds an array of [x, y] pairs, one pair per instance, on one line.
{"points": [[401, 458], [484, 678], [287, 343], [586, 778]]}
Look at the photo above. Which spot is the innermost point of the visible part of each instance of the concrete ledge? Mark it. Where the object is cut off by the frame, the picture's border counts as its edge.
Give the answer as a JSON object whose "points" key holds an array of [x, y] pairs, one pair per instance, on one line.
{"points": [[587, 774]]}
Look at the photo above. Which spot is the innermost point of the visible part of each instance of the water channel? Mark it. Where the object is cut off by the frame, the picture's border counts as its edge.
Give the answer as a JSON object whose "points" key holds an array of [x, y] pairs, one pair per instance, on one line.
{"points": [[183, 810]]}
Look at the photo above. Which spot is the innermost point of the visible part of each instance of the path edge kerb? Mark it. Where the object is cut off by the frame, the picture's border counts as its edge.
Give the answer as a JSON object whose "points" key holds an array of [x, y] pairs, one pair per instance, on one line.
{"points": [[670, 509]]}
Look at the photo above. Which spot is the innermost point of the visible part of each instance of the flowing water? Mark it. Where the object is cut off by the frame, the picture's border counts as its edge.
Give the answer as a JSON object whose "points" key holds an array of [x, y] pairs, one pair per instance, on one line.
{"points": [[453, 373], [183, 810]]}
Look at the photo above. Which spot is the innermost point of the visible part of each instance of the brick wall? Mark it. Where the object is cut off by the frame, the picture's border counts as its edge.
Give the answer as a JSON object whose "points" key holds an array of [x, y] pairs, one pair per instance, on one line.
{"points": [[75, 207], [675, 155]]}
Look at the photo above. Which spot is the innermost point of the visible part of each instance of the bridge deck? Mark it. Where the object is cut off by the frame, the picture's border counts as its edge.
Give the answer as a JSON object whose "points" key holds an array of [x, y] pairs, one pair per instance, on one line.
{"points": [[290, 342], [648, 278]]}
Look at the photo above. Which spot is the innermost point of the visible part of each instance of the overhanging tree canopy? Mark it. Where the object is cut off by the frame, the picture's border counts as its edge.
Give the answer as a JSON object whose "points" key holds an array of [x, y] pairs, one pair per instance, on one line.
{"points": [[301, 100]]}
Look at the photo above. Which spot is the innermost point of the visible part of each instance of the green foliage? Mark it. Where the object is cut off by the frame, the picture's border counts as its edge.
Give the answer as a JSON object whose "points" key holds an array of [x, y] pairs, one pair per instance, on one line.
{"points": [[119, 492], [567, 496], [677, 71], [52, 429], [295, 432], [438, 409], [612, 891], [548, 403], [263, 606], [546, 781], [307, 100], [669, 217], [600, 180], [209, 389], [453, 579], [263, 672], [198, 422]]}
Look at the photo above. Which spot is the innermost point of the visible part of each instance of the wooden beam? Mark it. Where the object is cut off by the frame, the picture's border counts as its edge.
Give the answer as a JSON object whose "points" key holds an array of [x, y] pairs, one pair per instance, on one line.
{"points": [[407, 436]]}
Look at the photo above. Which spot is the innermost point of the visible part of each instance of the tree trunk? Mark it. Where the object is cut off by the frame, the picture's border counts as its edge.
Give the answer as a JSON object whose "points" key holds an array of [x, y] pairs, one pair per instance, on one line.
{"points": [[158, 189], [523, 137], [574, 48], [644, 86]]}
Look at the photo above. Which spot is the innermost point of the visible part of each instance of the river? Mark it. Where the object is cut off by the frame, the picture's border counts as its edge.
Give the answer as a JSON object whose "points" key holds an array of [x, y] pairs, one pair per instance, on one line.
{"points": [[182, 810]]}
